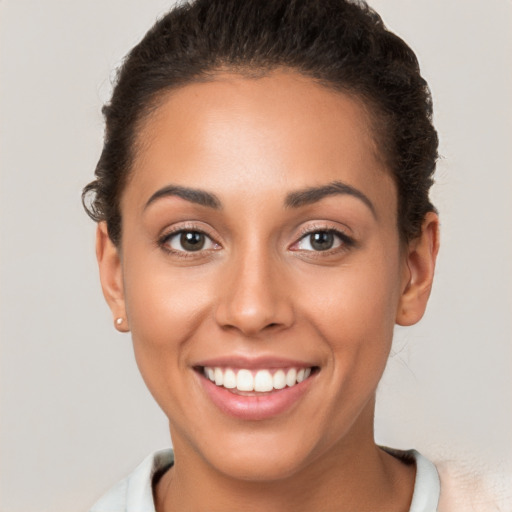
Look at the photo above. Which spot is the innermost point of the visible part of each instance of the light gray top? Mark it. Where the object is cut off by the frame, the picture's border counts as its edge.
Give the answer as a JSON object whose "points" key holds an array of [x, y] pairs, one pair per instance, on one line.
{"points": [[135, 494]]}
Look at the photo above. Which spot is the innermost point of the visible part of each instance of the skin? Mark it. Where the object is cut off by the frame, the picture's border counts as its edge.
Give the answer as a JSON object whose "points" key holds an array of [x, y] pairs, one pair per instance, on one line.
{"points": [[258, 289]]}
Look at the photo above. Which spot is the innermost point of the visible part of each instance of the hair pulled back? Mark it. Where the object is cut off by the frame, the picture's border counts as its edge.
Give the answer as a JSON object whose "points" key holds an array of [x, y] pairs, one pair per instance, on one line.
{"points": [[339, 43]]}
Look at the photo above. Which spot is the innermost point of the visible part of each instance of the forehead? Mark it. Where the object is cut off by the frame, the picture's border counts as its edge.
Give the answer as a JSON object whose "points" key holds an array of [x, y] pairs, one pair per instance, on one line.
{"points": [[235, 134]]}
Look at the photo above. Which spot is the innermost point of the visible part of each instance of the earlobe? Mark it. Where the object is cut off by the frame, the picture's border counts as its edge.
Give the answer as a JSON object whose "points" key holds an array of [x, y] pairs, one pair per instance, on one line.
{"points": [[421, 261], [111, 276]]}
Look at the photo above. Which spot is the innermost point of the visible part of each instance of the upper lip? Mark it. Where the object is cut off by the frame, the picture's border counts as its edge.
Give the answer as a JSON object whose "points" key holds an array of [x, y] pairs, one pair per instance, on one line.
{"points": [[254, 362]]}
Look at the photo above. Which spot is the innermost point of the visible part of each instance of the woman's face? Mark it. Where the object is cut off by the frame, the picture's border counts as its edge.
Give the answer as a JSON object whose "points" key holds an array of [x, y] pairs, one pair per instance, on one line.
{"points": [[260, 243]]}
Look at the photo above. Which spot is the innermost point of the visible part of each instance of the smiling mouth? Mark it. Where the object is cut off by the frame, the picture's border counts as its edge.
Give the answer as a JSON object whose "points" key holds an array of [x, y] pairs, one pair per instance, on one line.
{"points": [[249, 382]]}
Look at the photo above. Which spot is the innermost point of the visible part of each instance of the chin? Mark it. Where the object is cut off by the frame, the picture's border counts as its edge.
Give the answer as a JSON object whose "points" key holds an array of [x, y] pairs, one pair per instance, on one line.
{"points": [[260, 465], [266, 452]]}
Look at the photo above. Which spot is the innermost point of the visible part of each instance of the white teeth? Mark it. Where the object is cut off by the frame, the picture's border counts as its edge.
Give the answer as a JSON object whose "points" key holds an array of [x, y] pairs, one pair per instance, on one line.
{"points": [[229, 379], [291, 377], [279, 380], [261, 381], [244, 381], [219, 376]]}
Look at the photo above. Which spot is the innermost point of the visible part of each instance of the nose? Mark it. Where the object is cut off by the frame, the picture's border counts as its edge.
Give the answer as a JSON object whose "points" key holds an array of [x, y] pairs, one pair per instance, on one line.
{"points": [[254, 297]]}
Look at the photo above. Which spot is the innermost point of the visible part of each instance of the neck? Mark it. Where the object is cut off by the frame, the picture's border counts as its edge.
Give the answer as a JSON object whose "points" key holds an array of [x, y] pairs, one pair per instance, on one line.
{"points": [[353, 475]]}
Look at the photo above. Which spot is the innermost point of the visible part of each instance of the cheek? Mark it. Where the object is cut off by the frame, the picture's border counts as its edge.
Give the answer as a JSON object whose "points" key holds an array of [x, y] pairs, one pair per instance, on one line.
{"points": [[165, 311], [354, 323], [354, 313], [359, 297], [165, 307]]}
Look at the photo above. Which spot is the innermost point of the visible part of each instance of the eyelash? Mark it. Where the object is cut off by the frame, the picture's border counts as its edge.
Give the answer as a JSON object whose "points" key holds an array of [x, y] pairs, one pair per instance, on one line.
{"points": [[346, 242], [163, 241]]}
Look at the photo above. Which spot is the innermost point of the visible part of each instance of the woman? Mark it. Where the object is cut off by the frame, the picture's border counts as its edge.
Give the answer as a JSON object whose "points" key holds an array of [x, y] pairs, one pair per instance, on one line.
{"points": [[263, 223]]}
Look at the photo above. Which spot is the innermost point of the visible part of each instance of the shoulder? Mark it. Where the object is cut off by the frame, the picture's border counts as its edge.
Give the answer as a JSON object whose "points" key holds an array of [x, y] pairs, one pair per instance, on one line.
{"points": [[114, 500], [452, 485], [466, 488], [134, 493]]}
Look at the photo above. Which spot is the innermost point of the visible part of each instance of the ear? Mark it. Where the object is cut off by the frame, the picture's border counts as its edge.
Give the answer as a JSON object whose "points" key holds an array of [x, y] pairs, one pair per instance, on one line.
{"points": [[111, 276], [419, 272]]}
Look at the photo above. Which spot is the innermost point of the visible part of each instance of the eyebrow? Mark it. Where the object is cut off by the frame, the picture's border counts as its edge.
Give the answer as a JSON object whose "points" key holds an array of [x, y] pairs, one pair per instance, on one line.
{"points": [[314, 194], [193, 195], [296, 199]]}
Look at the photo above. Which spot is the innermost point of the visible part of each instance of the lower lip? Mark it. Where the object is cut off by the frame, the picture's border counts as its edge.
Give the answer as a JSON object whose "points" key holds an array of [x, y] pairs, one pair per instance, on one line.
{"points": [[255, 407]]}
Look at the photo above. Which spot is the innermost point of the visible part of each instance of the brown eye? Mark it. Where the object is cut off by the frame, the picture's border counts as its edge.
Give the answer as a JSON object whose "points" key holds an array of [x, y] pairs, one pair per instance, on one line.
{"points": [[192, 240], [319, 241], [189, 241], [322, 240]]}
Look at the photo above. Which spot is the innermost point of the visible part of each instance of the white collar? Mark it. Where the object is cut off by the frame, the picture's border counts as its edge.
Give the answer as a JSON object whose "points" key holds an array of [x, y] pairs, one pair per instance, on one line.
{"points": [[135, 493]]}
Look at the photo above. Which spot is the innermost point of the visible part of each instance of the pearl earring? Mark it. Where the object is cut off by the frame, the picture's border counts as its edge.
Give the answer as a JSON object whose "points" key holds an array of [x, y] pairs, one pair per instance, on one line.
{"points": [[119, 321]]}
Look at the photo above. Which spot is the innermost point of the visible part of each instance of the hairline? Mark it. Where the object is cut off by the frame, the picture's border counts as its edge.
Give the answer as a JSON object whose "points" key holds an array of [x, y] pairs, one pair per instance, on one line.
{"points": [[374, 116]]}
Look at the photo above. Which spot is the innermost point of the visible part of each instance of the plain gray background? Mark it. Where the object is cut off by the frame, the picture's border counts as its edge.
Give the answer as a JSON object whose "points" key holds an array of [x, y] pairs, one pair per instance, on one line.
{"points": [[75, 415]]}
